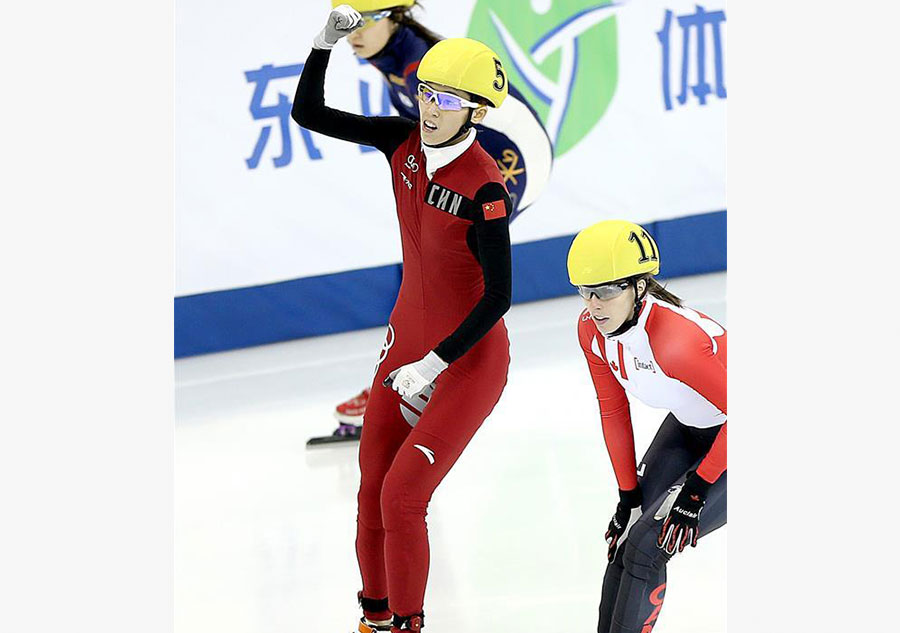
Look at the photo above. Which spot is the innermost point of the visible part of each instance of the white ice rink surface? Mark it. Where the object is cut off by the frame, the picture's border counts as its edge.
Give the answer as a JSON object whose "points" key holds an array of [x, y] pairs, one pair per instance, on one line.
{"points": [[265, 528]]}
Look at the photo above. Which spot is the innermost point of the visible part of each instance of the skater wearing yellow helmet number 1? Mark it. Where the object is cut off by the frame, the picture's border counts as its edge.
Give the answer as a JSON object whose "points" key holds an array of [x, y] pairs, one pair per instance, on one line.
{"points": [[445, 361], [395, 42], [639, 339]]}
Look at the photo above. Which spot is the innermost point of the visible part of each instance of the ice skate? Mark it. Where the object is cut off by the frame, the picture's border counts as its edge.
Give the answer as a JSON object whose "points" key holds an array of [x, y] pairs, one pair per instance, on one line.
{"points": [[350, 416], [371, 606], [352, 411]]}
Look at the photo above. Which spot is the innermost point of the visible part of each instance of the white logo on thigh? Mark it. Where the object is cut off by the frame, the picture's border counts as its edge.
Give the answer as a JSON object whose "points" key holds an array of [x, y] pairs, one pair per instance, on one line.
{"points": [[386, 346], [429, 454]]}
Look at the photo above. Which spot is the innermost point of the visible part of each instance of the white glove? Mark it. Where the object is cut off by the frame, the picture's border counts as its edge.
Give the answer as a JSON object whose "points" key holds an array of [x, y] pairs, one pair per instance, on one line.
{"points": [[411, 379], [342, 21]]}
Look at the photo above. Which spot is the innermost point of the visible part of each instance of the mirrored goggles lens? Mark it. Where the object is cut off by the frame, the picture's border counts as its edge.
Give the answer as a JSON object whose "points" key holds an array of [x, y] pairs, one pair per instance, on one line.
{"points": [[368, 19], [603, 292], [444, 100]]}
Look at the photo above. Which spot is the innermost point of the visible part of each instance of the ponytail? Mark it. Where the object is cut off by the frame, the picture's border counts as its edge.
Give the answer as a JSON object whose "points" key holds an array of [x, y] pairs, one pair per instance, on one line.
{"points": [[658, 290]]}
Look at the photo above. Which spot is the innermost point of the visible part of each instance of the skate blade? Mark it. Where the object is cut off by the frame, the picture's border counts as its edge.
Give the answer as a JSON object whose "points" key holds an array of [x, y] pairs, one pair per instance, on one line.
{"points": [[345, 434], [330, 440]]}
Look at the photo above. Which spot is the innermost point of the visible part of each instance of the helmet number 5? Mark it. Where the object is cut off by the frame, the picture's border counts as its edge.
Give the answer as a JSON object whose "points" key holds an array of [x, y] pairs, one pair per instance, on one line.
{"points": [[500, 81], [644, 258]]}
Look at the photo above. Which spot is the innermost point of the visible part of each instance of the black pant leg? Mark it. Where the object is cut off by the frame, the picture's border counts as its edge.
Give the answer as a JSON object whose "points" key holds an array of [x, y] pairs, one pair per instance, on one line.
{"points": [[640, 565], [611, 582], [642, 582], [667, 457], [715, 511], [670, 454]]}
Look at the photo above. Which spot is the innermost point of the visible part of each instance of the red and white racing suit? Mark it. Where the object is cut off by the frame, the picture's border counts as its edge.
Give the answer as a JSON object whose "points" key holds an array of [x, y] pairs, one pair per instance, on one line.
{"points": [[673, 359]]}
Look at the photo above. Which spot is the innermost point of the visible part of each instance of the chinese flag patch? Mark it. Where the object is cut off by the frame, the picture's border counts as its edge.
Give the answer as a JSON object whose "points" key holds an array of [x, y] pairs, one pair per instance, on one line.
{"points": [[494, 210]]}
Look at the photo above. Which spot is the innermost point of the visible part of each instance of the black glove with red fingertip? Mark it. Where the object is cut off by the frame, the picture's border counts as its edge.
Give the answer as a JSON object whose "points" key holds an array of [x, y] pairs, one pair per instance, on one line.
{"points": [[628, 511], [682, 524]]}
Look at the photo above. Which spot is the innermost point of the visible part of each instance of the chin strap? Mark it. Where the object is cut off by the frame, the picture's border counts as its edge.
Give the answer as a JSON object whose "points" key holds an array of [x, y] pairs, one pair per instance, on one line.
{"points": [[468, 124], [630, 323]]}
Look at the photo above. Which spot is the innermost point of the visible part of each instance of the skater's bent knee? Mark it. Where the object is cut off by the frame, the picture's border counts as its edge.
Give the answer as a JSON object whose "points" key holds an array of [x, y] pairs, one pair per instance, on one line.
{"points": [[642, 558], [399, 502]]}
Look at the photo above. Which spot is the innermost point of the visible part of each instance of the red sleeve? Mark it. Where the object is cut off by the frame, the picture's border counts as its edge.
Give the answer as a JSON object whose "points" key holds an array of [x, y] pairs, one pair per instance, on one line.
{"points": [[715, 462], [685, 352], [615, 413]]}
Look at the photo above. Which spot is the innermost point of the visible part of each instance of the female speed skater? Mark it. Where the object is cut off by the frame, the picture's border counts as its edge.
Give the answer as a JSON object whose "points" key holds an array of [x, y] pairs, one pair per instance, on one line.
{"points": [[393, 41], [639, 339], [446, 341]]}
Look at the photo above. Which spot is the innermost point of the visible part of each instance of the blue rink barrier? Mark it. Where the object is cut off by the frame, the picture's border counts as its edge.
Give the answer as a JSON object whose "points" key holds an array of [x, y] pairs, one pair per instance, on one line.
{"points": [[359, 299]]}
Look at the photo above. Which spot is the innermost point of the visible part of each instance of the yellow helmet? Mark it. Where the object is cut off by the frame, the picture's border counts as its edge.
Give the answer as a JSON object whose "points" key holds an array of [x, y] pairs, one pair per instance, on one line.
{"points": [[611, 250], [369, 6], [467, 65]]}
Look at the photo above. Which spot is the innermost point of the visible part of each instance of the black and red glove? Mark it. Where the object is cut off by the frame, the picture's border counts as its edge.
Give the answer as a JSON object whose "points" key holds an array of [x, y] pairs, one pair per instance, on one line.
{"points": [[628, 511], [682, 524]]}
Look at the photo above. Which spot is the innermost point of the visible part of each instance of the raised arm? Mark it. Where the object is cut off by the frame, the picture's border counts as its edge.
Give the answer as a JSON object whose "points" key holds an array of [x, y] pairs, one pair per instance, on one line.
{"points": [[310, 111]]}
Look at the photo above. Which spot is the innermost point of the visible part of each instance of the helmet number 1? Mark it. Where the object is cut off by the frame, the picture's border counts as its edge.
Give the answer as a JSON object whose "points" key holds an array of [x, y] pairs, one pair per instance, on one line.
{"points": [[500, 81], [644, 258]]}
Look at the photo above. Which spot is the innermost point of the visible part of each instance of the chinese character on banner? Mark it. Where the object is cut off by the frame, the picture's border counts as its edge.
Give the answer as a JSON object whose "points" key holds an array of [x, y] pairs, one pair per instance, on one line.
{"points": [[694, 23], [280, 111]]}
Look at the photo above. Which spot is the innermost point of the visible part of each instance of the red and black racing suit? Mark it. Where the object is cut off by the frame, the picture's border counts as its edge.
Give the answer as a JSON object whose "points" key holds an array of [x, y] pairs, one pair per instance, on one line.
{"points": [[457, 284]]}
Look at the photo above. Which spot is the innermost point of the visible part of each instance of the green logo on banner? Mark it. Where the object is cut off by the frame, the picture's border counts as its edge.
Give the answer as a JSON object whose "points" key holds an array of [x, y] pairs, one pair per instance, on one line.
{"points": [[561, 54]]}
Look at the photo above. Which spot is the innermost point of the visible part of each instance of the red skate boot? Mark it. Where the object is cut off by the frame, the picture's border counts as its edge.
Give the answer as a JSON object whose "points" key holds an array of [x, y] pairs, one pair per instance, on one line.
{"points": [[352, 411]]}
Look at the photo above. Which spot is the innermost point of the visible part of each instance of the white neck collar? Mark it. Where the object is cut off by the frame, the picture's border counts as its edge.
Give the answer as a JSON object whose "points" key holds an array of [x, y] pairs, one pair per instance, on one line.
{"points": [[437, 157]]}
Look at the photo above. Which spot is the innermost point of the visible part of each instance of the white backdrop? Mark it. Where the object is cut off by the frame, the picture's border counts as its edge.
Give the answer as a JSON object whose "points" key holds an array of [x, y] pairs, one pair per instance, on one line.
{"points": [[238, 225]]}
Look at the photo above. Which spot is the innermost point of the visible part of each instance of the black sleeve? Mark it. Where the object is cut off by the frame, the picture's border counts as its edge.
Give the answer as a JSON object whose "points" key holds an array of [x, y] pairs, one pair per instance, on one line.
{"points": [[310, 111], [491, 245]]}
